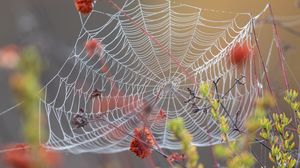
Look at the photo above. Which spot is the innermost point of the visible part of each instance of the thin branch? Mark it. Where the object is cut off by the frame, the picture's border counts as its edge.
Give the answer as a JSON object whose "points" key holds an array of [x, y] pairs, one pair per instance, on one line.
{"points": [[257, 159], [270, 20], [222, 105], [192, 95]]}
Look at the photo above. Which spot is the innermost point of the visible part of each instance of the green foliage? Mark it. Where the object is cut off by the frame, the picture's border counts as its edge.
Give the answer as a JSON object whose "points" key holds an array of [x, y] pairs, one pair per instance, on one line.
{"points": [[273, 130], [244, 160], [224, 127], [25, 84], [236, 153], [226, 151], [280, 122], [204, 89], [280, 158], [290, 98], [266, 126], [177, 127], [278, 135], [214, 110]]}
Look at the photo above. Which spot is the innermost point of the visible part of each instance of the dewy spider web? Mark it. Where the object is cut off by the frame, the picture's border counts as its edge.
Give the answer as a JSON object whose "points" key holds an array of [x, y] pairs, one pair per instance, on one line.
{"points": [[149, 55]]}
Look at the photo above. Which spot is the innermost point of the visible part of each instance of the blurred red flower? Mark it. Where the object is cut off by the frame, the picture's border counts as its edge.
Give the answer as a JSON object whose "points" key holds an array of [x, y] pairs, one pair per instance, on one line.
{"points": [[19, 156], [50, 157], [175, 157], [84, 6], [240, 53], [91, 46], [9, 56], [142, 143], [104, 69]]}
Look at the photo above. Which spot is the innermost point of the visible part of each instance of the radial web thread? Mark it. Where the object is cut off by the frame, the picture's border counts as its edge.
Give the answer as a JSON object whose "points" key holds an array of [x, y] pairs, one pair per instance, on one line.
{"points": [[149, 55]]}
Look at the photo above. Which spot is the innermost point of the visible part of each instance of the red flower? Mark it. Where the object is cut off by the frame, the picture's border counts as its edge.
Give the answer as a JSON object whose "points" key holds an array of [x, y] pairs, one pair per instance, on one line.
{"points": [[142, 143], [91, 46], [104, 69], [50, 157], [9, 56], [240, 53], [20, 157], [175, 157], [84, 6]]}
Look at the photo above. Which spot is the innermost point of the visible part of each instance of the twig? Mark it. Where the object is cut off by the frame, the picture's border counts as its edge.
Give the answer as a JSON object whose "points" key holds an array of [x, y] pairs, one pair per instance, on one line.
{"points": [[192, 94], [222, 105], [256, 158]]}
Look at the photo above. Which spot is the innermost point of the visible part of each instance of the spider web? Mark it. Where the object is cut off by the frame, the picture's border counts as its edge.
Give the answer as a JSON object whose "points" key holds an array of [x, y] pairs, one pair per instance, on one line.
{"points": [[149, 55]]}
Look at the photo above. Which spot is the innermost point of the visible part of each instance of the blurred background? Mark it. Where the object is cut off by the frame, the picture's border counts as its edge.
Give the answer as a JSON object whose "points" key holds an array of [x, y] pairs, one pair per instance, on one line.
{"points": [[53, 26]]}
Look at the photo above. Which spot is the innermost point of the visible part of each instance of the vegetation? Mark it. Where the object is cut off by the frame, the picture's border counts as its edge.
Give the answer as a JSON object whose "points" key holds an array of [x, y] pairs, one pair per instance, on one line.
{"points": [[276, 131], [273, 129], [26, 86]]}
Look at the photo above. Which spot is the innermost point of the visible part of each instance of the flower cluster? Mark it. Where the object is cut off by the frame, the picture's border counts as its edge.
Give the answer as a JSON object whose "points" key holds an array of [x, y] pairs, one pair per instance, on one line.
{"points": [[84, 6], [142, 143], [20, 156], [175, 157]]}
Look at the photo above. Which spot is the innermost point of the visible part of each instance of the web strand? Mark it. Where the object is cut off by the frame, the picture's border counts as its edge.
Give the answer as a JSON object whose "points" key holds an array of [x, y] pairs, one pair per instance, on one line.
{"points": [[149, 56]]}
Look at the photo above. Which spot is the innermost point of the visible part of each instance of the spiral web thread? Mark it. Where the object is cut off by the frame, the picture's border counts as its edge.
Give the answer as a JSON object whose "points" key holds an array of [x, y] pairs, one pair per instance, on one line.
{"points": [[149, 55]]}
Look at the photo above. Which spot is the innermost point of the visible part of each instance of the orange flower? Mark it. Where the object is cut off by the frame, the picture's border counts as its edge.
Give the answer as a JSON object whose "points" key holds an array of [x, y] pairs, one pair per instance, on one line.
{"points": [[240, 53], [50, 157], [20, 157], [84, 6], [91, 46], [175, 157], [142, 143], [9, 56]]}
